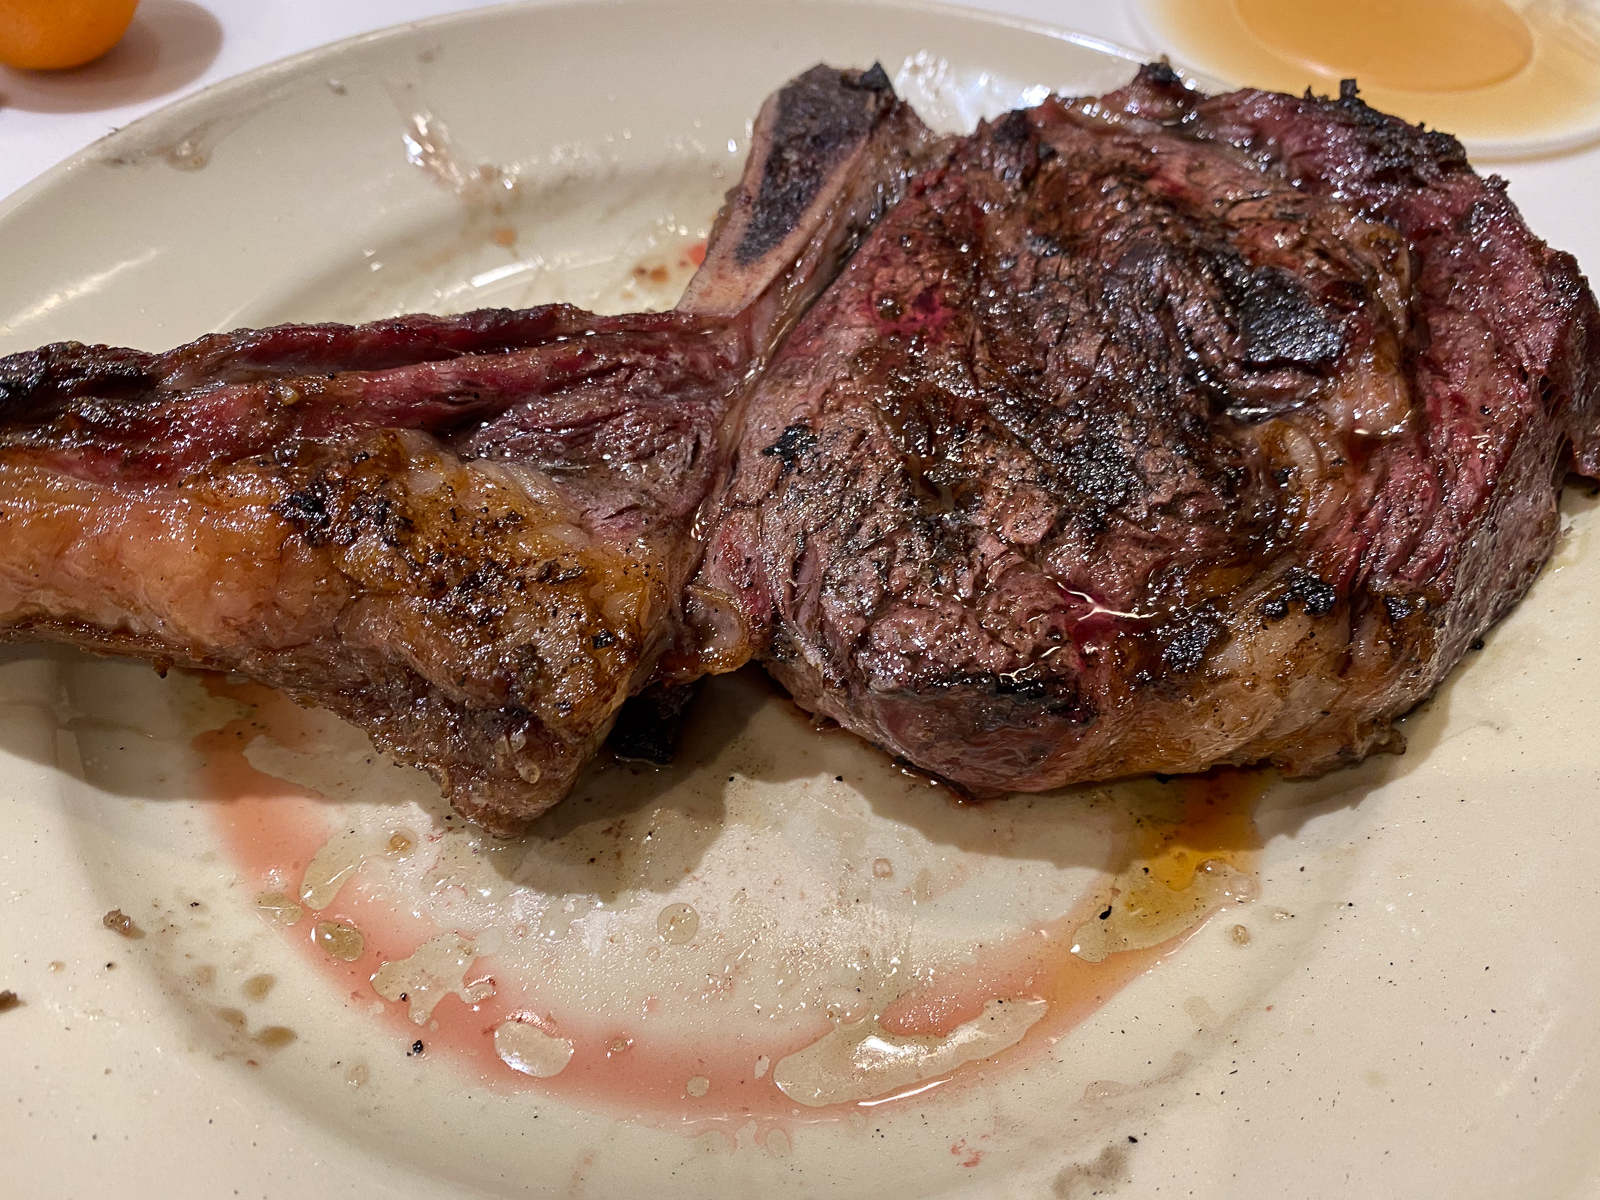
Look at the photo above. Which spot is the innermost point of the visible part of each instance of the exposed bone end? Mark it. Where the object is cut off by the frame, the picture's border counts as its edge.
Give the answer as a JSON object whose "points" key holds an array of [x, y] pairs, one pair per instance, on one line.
{"points": [[830, 152]]}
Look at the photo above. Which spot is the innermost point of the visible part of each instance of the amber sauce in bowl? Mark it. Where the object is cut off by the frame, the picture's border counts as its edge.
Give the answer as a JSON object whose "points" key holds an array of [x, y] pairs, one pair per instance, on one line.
{"points": [[1511, 79]]}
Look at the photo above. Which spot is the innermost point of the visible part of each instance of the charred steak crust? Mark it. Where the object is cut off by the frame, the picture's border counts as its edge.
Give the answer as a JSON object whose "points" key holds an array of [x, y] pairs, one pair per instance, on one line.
{"points": [[1144, 432], [1156, 431]]}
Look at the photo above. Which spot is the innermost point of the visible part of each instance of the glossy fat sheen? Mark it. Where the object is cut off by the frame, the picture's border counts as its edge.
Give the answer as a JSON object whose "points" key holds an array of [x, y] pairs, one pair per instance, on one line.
{"points": [[459, 612], [1159, 431], [468, 535]]}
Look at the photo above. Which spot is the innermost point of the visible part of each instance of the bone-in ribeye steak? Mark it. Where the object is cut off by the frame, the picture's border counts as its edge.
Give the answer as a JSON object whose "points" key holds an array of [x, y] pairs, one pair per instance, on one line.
{"points": [[1140, 433], [1157, 431]]}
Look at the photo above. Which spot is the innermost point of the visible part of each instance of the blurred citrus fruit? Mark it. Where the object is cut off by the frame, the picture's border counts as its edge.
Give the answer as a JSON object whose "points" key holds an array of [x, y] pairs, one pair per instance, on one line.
{"points": [[51, 34]]}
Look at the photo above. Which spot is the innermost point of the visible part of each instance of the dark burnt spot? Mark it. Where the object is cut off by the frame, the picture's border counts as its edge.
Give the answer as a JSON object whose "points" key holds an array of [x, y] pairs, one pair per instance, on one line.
{"points": [[1399, 607], [307, 511], [1007, 691], [1011, 149], [821, 118], [555, 572], [1478, 219], [791, 444], [1100, 469], [1186, 643], [21, 375], [330, 510], [1279, 323], [1017, 684], [780, 646], [1314, 593], [376, 512], [603, 639], [1397, 154], [1445, 149], [1161, 74], [873, 79], [478, 595], [1311, 592]]}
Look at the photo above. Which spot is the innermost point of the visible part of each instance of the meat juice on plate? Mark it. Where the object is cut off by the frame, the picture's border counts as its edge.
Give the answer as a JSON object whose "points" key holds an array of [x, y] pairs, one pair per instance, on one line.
{"points": [[780, 927]]}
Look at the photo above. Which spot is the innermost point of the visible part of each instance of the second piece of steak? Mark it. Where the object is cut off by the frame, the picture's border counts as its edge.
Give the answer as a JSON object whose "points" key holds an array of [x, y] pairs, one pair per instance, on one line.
{"points": [[1159, 431]]}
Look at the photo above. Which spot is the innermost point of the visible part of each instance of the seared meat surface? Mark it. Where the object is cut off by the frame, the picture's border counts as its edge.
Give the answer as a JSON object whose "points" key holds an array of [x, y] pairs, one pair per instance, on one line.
{"points": [[468, 535], [1157, 431], [1144, 432]]}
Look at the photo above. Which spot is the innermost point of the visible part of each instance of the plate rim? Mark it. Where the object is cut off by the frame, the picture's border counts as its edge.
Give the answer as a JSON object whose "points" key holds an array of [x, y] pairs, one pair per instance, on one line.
{"points": [[245, 83], [203, 99]]}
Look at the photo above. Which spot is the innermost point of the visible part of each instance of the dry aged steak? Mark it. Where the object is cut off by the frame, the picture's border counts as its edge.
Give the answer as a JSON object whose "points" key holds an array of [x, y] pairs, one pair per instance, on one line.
{"points": [[1155, 431], [1135, 433], [468, 535]]}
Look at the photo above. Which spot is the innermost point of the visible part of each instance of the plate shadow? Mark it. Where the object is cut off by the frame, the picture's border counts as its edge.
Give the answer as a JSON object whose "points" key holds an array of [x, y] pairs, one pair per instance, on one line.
{"points": [[170, 44]]}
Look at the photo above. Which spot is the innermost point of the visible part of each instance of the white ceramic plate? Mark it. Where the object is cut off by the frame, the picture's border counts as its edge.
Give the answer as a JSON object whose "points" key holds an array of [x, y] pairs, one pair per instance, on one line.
{"points": [[779, 968]]}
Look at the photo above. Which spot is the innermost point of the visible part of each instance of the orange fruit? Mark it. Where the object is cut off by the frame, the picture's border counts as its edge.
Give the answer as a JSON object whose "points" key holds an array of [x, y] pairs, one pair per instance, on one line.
{"points": [[47, 35]]}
